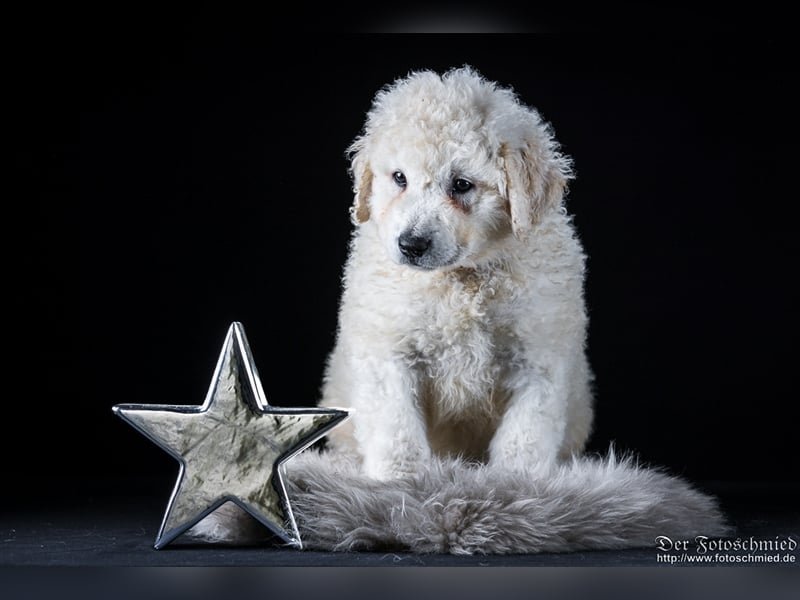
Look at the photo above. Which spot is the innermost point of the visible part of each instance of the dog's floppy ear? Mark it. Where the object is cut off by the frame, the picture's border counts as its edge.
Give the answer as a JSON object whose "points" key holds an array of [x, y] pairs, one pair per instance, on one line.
{"points": [[536, 178], [362, 182]]}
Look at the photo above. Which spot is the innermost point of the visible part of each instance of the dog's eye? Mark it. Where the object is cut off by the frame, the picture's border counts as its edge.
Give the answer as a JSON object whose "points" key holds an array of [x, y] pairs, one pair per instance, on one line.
{"points": [[399, 178], [461, 186]]}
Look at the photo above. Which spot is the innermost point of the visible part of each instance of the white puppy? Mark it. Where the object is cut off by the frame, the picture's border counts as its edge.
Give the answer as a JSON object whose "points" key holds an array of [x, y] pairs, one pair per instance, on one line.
{"points": [[462, 325]]}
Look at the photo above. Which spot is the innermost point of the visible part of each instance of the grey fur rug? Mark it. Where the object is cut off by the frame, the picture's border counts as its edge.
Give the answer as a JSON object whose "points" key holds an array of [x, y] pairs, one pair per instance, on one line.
{"points": [[452, 507]]}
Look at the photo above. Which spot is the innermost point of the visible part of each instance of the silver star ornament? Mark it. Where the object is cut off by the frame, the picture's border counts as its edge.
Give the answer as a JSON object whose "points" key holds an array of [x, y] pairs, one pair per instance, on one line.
{"points": [[232, 447]]}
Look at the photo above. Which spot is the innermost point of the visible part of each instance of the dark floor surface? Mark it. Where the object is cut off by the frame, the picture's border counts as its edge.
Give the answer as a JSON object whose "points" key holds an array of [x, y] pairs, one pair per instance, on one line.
{"points": [[95, 541], [103, 527]]}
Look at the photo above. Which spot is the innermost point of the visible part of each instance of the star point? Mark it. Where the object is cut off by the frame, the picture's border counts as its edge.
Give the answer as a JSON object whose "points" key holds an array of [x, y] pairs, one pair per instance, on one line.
{"points": [[232, 446]]}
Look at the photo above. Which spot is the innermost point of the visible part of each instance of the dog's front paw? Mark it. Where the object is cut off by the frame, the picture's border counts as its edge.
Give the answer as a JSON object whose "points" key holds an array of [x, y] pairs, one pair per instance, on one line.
{"points": [[397, 466], [522, 462]]}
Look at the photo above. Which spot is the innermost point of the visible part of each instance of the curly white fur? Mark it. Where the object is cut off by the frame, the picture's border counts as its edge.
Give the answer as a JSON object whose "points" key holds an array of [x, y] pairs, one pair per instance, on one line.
{"points": [[472, 345]]}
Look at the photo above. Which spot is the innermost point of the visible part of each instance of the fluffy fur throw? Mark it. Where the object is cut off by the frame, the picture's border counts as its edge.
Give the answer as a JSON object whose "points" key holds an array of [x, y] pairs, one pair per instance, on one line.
{"points": [[452, 507]]}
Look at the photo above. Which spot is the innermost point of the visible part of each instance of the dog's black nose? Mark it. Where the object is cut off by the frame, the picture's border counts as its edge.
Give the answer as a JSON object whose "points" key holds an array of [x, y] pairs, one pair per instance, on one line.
{"points": [[413, 246]]}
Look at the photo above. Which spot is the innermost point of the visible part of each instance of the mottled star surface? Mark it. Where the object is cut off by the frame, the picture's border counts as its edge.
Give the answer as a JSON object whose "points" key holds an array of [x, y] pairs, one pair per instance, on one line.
{"points": [[232, 447]]}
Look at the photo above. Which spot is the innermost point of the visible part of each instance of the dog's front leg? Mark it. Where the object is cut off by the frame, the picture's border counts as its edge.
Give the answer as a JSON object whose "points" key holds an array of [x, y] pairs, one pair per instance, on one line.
{"points": [[389, 426], [532, 429]]}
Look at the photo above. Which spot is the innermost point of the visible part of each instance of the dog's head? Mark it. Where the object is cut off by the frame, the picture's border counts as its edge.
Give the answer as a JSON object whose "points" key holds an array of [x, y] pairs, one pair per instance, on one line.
{"points": [[449, 164]]}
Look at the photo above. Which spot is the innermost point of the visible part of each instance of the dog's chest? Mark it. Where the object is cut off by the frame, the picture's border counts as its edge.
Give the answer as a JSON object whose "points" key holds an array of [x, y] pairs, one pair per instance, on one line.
{"points": [[461, 342]]}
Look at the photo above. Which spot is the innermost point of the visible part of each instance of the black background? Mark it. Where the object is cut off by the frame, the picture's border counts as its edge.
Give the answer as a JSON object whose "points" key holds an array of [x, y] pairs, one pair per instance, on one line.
{"points": [[174, 172]]}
